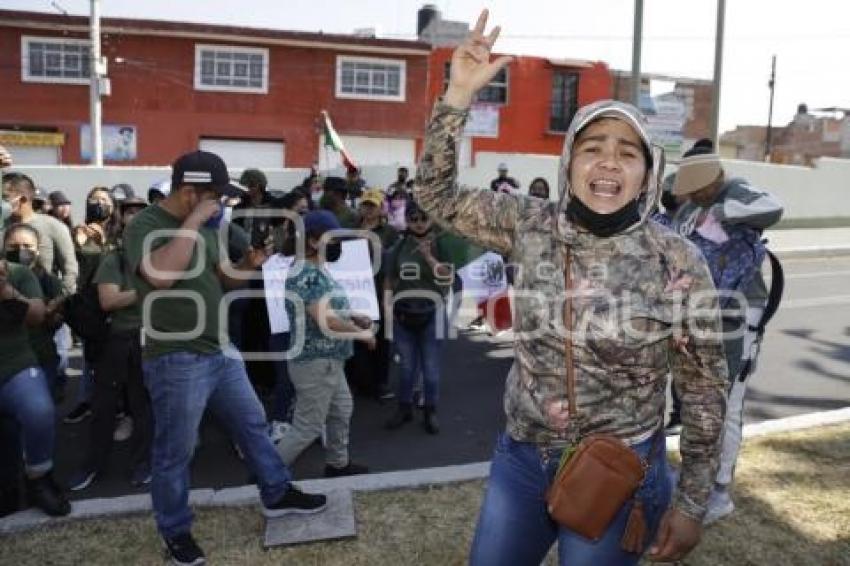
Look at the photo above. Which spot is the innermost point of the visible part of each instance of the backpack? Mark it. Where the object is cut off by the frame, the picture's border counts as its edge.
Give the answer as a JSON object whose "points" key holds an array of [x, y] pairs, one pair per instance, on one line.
{"points": [[86, 318]]}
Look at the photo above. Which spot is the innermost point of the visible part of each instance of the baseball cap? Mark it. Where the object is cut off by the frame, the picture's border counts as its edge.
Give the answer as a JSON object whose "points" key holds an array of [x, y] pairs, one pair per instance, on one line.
{"points": [[160, 188], [204, 168], [58, 198], [335, 184], [502, 167], [375, 196], [317, 222], [121, 191], [40, 195], [133, 201], [697, 172]]}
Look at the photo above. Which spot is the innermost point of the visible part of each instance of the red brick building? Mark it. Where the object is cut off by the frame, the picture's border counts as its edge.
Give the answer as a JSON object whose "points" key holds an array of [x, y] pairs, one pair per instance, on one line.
{"points": [[254, 95], [527, 107]]}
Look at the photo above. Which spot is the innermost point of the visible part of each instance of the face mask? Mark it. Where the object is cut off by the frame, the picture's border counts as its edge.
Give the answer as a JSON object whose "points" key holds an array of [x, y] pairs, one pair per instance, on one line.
{"points": [[602, 225], [214, 221], [96, 212], [22, 256], [333, 251]]}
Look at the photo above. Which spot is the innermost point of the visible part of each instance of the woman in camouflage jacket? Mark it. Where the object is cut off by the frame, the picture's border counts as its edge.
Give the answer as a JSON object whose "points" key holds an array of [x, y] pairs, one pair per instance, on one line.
{"points": [[644, 308]]}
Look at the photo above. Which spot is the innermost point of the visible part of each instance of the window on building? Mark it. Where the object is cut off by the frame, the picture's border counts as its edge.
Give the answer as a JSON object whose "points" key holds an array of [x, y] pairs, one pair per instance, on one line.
{"points": [[231, 69], [496, 91], [564, 100], [368, 78], [55, 60]]}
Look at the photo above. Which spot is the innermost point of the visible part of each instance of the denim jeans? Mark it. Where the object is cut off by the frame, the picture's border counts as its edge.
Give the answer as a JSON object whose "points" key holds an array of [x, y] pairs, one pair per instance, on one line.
{"points": [[182, 385], [419, 350], [284, 392], [26, 398], [514, 527]]}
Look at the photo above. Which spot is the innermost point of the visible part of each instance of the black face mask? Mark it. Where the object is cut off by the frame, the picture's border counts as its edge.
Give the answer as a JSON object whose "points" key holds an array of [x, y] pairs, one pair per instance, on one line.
{"points": [[333, 251], [603, 225], [22, 256], [669, 201], [96, 212]]}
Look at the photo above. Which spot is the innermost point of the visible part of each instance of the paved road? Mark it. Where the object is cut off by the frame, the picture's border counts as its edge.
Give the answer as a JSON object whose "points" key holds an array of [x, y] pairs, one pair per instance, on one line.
{"points": [[805, 367]]}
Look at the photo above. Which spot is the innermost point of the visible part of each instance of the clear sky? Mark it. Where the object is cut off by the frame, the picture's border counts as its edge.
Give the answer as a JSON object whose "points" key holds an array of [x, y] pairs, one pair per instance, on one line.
{"points": [[810, 39]]}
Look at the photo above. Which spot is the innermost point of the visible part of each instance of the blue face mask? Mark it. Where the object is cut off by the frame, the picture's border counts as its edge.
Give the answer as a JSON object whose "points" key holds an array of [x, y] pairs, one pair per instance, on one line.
{"points": [[215, 220]]}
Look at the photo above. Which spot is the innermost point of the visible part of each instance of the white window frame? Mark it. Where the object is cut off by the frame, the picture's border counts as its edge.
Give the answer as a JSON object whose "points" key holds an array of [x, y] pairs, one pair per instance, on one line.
{"points": [[402, 86], [201, 47], [26, 77]]}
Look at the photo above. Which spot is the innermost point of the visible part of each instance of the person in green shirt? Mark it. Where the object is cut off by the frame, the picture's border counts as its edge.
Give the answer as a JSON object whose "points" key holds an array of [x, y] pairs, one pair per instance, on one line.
{"points": [[333, 199], [117, 368], [176, 266], [368, 370], [21, 244], [24, 394], [418, 277]]}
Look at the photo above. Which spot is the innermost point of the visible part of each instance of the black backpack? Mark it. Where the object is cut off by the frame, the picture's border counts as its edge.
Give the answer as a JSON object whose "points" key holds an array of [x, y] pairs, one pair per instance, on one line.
{"points": [[85, 317]]}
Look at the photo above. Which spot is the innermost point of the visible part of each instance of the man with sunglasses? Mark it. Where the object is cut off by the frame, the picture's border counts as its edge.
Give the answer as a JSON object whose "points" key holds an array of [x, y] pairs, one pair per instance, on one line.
{"points": [[177, 268]]}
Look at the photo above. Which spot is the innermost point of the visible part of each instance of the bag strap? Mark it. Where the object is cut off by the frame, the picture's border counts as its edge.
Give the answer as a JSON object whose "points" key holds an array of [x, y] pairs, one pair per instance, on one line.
{"points": [[568, 340], [570, 365]]}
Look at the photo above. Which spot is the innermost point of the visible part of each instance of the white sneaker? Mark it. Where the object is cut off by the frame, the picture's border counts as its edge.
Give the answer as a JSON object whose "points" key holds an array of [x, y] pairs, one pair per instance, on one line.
{"points": [[277, 429], [720, 505], [123, 429]]}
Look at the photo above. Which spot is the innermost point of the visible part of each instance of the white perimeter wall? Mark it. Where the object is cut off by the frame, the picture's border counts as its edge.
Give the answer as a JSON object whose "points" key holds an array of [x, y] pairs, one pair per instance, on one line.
{"points": [[819, 192]]}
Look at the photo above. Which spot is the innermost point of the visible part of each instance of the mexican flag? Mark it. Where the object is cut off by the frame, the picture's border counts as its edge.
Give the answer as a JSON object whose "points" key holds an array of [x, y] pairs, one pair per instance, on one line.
{"points": [[484, 277], [333, 141]]}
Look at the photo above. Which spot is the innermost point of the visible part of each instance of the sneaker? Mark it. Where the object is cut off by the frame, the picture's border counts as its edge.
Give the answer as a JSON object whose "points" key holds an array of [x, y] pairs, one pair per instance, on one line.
{"points": [[720, 506], [277, 429], [477, 324], [673, 429], [79, 414], [141, 475], [123, 429], [43, 493], [184, 551], [81, 480], [351, 469], [295, 501]]}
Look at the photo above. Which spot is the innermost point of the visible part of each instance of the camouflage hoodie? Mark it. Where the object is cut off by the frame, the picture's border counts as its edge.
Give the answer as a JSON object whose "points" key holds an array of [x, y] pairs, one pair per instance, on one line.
{"points": [[632, 290]]}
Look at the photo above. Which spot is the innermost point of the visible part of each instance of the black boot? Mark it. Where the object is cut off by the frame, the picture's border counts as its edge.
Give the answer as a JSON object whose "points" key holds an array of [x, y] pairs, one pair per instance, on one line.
{"points": [[10, 500], [43, 493], [429, 420], [403, 414]]}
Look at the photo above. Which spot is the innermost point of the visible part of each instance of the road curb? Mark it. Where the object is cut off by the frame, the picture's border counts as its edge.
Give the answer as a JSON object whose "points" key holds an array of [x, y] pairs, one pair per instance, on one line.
{"points": [[812, 252], [248, 495]]}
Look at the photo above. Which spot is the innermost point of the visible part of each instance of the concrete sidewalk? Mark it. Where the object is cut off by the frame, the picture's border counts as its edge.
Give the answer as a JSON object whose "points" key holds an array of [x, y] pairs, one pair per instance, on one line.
{"points": [[812, 242]]}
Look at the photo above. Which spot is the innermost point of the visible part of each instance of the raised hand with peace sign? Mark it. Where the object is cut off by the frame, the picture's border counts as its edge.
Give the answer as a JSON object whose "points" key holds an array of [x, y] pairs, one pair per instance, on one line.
{"points": [[471, 66]]}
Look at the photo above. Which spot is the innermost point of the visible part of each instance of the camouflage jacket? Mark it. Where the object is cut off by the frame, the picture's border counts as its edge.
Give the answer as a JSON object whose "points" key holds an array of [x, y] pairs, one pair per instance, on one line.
{"points": [[632, 293]]}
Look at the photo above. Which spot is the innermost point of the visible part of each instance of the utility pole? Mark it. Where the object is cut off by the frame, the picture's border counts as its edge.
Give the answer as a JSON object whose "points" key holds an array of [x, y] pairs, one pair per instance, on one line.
{"points": [[718, 71], [769, 137], [96, 70], [637, 38]]}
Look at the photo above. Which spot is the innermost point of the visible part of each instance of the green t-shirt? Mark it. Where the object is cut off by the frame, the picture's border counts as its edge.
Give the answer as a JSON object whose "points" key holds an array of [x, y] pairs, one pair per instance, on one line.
{"points": [[311, 284], [191, 305], [112, 270], [41, 337], [16, 353], [408, 270]]}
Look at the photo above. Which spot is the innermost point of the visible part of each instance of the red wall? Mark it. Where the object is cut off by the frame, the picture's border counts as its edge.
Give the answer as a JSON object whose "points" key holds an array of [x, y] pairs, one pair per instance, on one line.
{"points": [[153, 90], [524, 120]]}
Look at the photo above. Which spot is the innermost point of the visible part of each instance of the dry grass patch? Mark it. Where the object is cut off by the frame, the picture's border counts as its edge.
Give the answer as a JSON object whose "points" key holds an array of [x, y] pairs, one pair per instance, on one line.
{"points": [[793, 497]]}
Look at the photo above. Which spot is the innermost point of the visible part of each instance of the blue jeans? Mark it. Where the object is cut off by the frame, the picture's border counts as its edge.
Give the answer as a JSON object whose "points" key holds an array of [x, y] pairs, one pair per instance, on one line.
{"points": [[418, 350], [26, 398], [514, 527], [283, 404], [182, 385]]}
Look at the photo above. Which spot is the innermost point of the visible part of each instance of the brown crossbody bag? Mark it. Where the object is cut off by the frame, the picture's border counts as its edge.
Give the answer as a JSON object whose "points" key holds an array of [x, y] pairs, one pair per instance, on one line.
{"points": [[598, 474]]}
